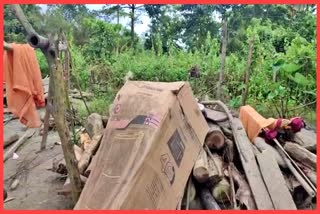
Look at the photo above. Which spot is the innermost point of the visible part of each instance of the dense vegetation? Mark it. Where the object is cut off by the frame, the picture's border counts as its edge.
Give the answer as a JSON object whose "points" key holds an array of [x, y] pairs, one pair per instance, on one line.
{"points": [[282, 79]]}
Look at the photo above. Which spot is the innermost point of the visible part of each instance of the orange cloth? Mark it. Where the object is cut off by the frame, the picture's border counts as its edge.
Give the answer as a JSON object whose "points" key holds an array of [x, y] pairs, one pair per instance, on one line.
{"points": [[24, 88], [253, 122]]}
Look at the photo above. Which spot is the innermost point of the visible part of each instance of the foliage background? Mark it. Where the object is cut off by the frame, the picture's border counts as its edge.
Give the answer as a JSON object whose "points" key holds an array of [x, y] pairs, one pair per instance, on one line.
{"points": [[282, 73]]}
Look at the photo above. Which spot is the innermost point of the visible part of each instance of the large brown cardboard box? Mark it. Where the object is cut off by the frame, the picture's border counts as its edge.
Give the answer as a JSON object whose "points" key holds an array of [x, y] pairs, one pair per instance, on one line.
{"points": [[148, 150]]}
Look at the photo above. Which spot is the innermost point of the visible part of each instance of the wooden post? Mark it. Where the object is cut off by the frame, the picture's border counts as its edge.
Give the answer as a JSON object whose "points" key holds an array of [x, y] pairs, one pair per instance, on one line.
{"points": [[247, 74], [47, 116], [50, 50], [223, 58]]}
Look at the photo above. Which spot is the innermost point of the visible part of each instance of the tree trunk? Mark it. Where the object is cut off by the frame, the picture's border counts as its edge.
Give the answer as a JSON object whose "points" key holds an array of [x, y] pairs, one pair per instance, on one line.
{"points": [[132, 7], [118, 14], [47, 115], [223, 57], [247, 74]]}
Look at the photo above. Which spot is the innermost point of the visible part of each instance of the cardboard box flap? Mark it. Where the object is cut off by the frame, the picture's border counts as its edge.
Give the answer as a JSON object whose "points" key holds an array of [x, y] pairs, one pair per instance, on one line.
{"points": [[159, 86], [193, 114]]}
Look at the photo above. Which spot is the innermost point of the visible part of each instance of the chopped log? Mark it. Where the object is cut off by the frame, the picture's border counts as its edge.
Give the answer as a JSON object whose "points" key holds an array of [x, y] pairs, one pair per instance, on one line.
{"points": [[87, 154], [275, 182], [307, 139], [207, 200], [261, 144], [200, 169], [215, 164], [215, 137], [221, 191], [299, 177], [243, 194], [230, 154], [78, 152], [85, 141], [215, 116], [301, 154], [29, 133]]}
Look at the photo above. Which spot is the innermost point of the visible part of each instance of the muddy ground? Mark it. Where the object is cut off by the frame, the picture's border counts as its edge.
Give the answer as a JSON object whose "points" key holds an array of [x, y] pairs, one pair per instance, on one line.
{"points": [[38, 186]]}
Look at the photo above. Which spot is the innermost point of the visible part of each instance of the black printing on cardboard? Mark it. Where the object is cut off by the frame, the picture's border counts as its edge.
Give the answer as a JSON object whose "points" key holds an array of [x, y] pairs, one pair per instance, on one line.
{"points": [[176, 147], [154, 190], [167, 167]]}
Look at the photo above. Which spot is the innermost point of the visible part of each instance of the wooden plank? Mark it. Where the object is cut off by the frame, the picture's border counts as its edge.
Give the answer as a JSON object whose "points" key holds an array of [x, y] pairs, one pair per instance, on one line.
{"points": [[250, 166], [216, 116], [275, 182]]}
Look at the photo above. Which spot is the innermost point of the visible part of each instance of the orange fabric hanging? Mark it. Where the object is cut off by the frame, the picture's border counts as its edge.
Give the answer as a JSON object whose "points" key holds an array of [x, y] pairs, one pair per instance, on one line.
{"points": [[24, 88]]}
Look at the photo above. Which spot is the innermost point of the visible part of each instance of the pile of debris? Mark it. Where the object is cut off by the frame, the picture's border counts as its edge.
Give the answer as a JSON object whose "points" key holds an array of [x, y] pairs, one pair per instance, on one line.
{"points": [[256, 175], [208, 162]]}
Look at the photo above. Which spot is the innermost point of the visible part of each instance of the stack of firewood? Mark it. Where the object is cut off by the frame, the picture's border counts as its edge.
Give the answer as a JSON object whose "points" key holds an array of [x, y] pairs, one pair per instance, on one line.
{"points": [[233, 173]]}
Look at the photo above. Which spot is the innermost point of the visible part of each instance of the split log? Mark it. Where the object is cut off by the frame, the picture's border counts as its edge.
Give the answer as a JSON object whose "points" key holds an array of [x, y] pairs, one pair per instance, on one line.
{"points": [[207, 200], [200, 169], [261, 144], [221, 191], [294, 171], [29, 133], [275, 182], [78, 152], [87, 154], [301, 154], [215, 165], [307, 139], [215, 137], [243, 194]]}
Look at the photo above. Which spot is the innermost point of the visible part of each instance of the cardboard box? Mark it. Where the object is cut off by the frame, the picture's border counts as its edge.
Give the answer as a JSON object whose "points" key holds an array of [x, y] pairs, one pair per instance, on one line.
{"points": [[148, 150]]}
